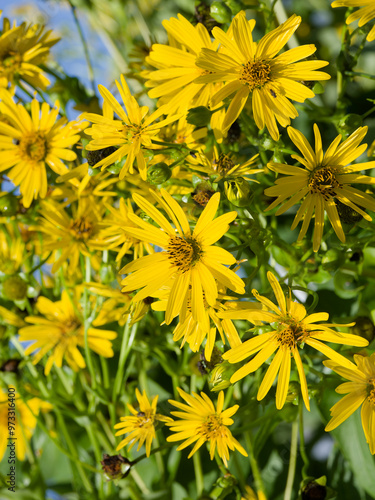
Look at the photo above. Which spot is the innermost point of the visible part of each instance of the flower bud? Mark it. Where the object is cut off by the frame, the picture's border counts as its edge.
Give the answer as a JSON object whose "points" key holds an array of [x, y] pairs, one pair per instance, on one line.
{"points": [[14, 288], [11, 365], [94, 157], [221, 12], [314, 491], [199, 116], [238, 192], [364, 327], [226, 481], [158, 173], [8, 205], [115, 466], [220, 376]]}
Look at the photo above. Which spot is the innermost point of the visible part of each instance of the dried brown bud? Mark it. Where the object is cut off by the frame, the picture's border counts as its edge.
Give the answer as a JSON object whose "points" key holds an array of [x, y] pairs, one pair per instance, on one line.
{"points": [[115, 466]]}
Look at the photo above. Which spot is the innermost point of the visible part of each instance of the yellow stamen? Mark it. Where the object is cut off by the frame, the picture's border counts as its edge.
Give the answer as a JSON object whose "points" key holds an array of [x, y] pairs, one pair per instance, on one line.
{"points": [[256, 74], [33, 147], [323, 180], [184, 253]]}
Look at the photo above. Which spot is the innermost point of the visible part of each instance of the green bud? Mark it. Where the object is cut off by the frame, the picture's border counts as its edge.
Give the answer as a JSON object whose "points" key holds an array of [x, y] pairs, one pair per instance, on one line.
{"points": [[226, 481], [238, 192], [293, 393], [318, 88], [364, 327], [200, 116], [221, 12], [8, 205], [158, 173], [220, 376], [234, 6], [14, 288], [350, 122]]}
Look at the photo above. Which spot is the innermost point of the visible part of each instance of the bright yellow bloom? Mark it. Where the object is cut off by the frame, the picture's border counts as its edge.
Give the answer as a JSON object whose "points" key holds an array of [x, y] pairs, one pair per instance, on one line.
{"points": [[23, 49], [132, 134], [324, 179], [200, 422], [23, 420], [221, 165], [114, 232], [28, 143], [72, 235], [293, 329], [365, 13], [252, 69], [189, 258], [196, 332], [359, 391], [251, 495], [61, 331], [140, 426], [12, 250]]}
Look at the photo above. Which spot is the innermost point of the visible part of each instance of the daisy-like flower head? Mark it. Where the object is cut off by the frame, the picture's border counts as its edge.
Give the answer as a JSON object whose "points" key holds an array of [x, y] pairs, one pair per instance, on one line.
{"points": [[61, 331], [23, 49], [195, 332], [132, 134], [114, 235], [221, 165], [200, 422], [74, 235], [23, 419], [325, 179], [365, 13], [188, 257], [254, 69], [293, 328], [359, 391], [173, 82], [140, 427], [29, 143]]}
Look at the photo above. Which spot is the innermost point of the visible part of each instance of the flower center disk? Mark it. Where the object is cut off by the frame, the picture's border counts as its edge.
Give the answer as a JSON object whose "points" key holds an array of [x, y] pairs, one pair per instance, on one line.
{"points": [[184, 253], [33, 147], [211, 427], [256, 74], [323, 180]]}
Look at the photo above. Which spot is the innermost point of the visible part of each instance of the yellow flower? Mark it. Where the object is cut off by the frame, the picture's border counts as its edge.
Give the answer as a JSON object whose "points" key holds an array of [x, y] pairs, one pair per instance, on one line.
{"points": [[140, 426], [12, 250], [23, 49], [195, 332], [200, 422], [61, 331], [365, 13], [359, 391], [29, 143], [174, 80], [132, 134], [292, 330], [73, 235], [114, 233], [24, 423], [251, 495], [189, 258], [324, 178], [251, 68], [221, 165]]}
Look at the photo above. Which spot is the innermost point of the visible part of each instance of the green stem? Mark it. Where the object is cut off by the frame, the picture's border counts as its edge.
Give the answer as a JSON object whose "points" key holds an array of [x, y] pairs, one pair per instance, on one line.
{"points": [[75, 462], [64, 380], [90, 364], [85, 47], [292, 462], [254, 464], [357, 73], [198, 473], [124, 351], [302, 450]]}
